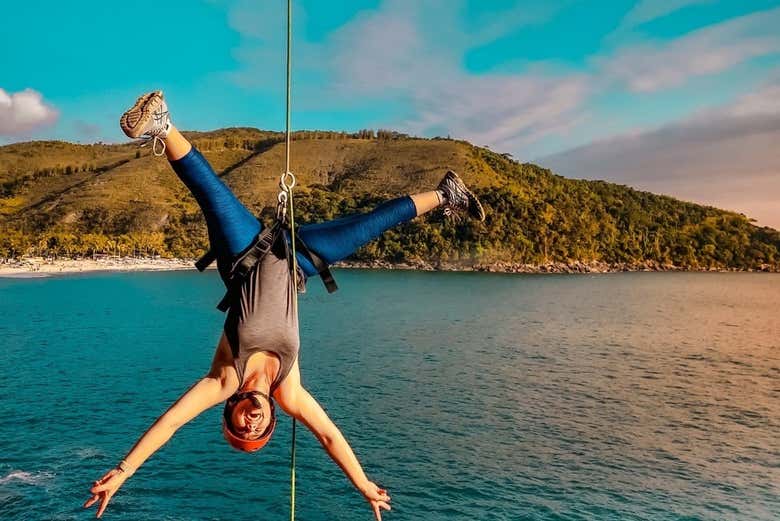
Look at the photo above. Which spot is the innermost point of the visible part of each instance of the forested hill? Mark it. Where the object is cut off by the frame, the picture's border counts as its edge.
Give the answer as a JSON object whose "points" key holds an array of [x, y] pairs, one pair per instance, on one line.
{"points": [[59, 198]]}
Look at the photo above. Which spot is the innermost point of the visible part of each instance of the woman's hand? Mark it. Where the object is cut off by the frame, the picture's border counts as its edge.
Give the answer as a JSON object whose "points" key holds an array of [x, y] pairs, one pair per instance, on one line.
{"points": [[377, 498], [296, 401], [105, 488]]}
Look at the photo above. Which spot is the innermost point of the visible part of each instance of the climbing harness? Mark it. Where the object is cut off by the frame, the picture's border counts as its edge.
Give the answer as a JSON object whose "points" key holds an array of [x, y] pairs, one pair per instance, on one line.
{"points": [[263, 244]]}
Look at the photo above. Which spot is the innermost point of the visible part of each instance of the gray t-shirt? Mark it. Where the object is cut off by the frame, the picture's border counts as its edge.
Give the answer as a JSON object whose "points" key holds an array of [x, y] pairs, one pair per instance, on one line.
{"points": [[263, 318]]}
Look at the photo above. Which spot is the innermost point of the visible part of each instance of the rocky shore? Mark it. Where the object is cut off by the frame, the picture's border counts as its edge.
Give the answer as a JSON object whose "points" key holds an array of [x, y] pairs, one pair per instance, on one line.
{"points": [[551, 267], [40, 267]]}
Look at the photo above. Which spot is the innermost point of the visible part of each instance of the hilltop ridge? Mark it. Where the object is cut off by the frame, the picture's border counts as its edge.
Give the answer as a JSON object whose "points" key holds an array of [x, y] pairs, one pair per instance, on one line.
{"points": [[60, 198]]}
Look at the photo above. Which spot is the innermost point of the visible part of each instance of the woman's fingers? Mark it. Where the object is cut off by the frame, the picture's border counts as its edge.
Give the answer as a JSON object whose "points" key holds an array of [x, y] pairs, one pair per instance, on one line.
{"points": [[378, 506], [101, 484], [377, 514], [379, 496], [103, 505], [103, 497], [100, 488]]}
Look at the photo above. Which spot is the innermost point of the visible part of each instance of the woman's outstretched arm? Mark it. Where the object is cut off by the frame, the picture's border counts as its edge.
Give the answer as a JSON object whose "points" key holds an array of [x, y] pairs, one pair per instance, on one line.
{"points": [[296, 401], [216, 387]]}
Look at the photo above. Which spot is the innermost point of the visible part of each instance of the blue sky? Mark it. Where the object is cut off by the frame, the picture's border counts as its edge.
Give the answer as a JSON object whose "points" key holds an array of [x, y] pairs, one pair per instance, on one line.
{"points": [[593, 89]]}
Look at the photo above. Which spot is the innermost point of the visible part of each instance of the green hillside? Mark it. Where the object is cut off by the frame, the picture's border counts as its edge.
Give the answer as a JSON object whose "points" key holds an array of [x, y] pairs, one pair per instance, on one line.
{"points": [[65, 199]]}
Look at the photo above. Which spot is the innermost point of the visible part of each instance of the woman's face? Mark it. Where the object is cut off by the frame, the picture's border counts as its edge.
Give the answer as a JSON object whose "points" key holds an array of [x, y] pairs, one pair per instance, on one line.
{"points": [[250, 418]]}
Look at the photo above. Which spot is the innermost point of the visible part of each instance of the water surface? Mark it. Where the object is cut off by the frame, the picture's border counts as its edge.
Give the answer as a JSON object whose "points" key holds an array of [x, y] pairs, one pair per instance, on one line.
{"points": [[469, 396]]}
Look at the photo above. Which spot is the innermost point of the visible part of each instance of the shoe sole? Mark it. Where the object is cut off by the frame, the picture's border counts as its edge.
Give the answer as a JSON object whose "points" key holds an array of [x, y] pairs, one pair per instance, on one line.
{"points": [[475, 207], [134, 120]]}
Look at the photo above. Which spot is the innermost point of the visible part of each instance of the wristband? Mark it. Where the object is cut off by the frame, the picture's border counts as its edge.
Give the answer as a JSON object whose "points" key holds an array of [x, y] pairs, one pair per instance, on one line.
{"points": [[124, 466]]}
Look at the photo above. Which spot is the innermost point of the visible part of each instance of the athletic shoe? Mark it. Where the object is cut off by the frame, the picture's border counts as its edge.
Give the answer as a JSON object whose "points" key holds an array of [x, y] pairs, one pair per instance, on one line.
{"points": [[149, 120], [459, 200]]}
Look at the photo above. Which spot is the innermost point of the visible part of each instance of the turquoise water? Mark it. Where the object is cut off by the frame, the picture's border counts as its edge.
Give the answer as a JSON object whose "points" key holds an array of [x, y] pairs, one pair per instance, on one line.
{"points": [[469, 396]]}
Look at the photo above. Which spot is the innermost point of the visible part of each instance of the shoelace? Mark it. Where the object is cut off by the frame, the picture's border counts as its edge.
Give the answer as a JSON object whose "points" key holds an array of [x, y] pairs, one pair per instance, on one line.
{"points": [[457, 202], [456, 214], [154, 134]]}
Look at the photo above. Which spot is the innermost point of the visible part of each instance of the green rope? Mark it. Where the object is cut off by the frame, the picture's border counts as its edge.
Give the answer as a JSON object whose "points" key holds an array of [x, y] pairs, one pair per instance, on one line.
{"points": [[292, 474], [292, 230], [289, 84]]}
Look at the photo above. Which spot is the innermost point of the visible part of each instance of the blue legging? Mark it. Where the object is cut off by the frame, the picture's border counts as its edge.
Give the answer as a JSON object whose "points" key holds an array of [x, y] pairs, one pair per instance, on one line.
{"points": [[232, 228]]}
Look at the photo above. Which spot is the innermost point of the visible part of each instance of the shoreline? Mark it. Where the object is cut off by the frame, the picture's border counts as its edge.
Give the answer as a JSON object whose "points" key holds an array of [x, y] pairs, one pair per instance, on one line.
{"points": [[33, 267]]}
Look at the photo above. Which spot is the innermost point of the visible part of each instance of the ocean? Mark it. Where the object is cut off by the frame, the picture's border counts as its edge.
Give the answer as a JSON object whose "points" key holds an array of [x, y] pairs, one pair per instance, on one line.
{"points": [[642, 396]]}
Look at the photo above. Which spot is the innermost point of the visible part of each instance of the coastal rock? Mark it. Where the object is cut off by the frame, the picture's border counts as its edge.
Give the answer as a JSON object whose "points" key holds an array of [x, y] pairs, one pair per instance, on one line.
{"points": [[105, 262]]}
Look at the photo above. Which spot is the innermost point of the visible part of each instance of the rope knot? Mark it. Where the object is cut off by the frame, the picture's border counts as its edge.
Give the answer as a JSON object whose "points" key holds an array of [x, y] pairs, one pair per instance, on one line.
{"points": [[287, 181]]}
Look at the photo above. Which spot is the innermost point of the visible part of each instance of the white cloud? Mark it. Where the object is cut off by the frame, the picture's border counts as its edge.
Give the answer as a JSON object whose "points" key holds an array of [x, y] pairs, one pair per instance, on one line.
{"points": [[648, 10], [726, 157], [411, 53], [381, 51], [23, 112], [407, 52], [654, 66], [505, 112], [491, 24], [261, 53]]}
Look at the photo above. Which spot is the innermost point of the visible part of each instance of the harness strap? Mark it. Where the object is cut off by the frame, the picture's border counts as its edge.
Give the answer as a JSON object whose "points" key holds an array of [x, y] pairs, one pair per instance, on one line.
{"points": [[320, 265], [246, 262], [259, 249], [205, 261], [211, 255], [256, 253]]}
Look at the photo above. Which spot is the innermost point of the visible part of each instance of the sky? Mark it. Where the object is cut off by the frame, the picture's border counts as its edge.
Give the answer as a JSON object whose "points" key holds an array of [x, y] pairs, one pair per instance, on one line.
{"points": [[680, 97]]}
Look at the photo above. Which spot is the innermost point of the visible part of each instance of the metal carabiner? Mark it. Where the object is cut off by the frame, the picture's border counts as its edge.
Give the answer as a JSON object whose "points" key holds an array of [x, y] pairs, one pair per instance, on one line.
{"points": [[281, 206]]}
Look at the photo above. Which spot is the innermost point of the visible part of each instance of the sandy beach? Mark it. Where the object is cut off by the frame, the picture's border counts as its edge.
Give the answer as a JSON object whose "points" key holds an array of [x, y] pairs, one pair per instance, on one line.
{"points": [[44, 267]]}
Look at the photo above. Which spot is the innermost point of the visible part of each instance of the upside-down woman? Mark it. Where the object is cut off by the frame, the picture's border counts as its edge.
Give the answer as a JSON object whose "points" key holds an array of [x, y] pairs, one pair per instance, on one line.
{"points": [[256, 359]]}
